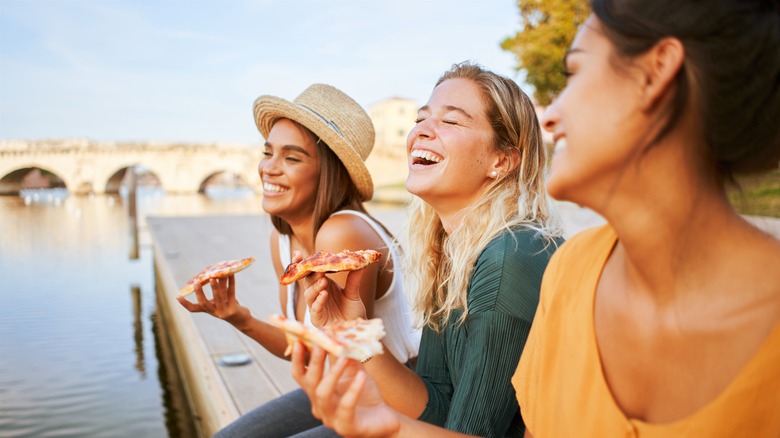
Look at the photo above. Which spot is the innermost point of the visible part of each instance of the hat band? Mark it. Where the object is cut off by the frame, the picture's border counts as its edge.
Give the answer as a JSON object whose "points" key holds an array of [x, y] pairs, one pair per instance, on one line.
{"points": [[329, 122]]}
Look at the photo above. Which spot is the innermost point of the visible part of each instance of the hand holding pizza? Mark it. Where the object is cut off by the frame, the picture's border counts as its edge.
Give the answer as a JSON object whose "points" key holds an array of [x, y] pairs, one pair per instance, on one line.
{"points": [[345, 398], [328, 303], [223, 303]]}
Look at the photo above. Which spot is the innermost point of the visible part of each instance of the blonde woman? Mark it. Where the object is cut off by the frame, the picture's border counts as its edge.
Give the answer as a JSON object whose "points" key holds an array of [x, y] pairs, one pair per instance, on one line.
{"points": [[480, 236], [314, 184]]}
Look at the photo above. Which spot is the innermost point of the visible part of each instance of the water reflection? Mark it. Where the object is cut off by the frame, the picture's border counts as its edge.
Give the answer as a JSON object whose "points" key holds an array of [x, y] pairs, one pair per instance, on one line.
{"points": [[75, 351], [138, 331]]}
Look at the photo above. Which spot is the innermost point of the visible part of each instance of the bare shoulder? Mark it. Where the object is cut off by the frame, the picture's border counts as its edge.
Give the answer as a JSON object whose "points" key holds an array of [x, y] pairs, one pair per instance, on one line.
{"points": [[347, 231]]}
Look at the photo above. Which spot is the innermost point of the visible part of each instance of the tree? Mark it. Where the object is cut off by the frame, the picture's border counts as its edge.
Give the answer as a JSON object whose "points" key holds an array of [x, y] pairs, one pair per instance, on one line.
{"points": [[547, 28]]}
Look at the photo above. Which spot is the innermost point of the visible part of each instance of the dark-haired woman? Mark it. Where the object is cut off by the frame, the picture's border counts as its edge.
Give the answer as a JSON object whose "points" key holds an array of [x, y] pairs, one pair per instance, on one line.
{"points": [[314, 184], [666, 321]]}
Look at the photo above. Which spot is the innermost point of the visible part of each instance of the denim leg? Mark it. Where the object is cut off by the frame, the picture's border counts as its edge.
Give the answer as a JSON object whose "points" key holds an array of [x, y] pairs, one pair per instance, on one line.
{"points": [[317, 432], [284, 416]]}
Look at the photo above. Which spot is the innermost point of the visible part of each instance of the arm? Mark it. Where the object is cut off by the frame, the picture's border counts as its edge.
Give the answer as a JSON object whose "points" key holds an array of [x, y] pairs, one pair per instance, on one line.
{"points": [[483, 401], [225, 306], [348, 400], [483, 354], [350, 232], [399, 385]]}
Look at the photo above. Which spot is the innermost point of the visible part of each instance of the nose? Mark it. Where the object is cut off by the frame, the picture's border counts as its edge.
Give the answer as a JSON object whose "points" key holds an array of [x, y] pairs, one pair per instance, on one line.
{"points": [[267, 165], [550, 118], [422, 129]]}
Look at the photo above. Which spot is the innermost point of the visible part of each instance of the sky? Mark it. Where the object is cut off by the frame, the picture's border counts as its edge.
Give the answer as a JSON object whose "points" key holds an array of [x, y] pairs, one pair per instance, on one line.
{"points": [[189, 71]]}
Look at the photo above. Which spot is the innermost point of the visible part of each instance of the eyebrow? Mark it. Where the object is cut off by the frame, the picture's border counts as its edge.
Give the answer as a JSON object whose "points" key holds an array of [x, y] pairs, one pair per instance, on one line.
{"points": [[291, 147], [448, 108]]}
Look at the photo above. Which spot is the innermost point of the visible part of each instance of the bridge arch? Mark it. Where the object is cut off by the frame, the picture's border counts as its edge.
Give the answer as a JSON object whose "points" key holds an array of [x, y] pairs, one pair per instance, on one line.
{"points": [[145, 177], [224, 179], [30, 176]]}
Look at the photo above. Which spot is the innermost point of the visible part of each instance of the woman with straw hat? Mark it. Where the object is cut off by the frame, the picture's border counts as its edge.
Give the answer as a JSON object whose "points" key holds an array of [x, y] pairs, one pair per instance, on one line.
{"points": [[314, 184]]}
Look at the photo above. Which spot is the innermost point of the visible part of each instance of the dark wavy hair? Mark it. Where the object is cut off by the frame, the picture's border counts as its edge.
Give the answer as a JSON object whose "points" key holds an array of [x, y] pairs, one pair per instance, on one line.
{"points": [[731, 68]]}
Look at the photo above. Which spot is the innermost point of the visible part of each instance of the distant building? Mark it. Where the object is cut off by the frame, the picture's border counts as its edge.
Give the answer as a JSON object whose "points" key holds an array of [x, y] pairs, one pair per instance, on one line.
{"points": [[393, 119]]}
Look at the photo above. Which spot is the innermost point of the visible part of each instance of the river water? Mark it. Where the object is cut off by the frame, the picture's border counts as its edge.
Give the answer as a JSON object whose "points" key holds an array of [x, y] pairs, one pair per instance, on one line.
{"points": [[79, 345]]}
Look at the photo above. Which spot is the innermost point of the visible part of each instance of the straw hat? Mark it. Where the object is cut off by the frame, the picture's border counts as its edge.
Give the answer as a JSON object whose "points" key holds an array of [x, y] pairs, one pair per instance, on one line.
{"points": [[335, 118]]}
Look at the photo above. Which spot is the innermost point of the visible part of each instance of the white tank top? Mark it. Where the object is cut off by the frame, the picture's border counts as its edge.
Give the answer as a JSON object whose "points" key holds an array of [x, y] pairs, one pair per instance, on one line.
{"points": [[402, 339]]}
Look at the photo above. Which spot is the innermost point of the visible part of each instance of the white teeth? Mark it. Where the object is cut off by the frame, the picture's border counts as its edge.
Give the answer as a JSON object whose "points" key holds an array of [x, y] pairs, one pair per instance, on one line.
{"points": [[560, 145], [268, 187], [419, 153]]}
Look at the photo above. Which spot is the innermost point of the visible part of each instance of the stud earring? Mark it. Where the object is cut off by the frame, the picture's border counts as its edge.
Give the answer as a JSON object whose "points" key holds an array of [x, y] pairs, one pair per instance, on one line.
{"points": [[494, 174]]}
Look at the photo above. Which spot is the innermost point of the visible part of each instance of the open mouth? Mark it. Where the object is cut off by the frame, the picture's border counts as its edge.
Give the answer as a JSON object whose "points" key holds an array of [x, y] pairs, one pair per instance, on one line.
{"points": [[424, 158]]}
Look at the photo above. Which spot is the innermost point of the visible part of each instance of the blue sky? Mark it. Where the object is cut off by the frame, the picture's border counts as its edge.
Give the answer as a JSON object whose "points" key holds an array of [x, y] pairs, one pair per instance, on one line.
{"points": [[176, 70]]}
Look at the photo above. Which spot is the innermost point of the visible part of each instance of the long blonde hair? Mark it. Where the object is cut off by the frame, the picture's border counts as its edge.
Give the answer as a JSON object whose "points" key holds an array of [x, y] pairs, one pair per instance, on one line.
{"points": [[440, 265]]}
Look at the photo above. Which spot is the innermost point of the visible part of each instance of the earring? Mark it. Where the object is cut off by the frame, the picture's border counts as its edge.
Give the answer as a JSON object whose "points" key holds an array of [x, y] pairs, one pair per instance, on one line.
{"points": [[494, 174]]}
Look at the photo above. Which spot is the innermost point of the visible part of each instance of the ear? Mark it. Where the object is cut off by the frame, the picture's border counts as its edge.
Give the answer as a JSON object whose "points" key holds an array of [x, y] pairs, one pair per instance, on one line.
{"points": [[506, 163], [660, 66]]}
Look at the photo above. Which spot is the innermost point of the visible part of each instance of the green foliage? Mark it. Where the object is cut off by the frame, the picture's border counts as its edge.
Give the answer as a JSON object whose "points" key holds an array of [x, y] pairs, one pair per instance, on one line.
{"points": [[757, 195], [547, 28]]}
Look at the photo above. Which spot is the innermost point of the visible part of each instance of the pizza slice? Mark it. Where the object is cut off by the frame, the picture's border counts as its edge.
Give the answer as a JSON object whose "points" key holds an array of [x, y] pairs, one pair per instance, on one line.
{"points": [[357, 339], [217, 270], [323, 261]]}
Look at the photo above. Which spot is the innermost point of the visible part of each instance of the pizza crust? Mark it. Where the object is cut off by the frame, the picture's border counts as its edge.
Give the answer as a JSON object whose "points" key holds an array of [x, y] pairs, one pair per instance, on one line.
{"points": [[216, 270]]}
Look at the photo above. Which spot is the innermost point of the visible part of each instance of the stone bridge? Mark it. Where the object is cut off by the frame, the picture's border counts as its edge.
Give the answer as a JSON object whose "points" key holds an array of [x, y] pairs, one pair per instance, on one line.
{"points": [[84, 166]]}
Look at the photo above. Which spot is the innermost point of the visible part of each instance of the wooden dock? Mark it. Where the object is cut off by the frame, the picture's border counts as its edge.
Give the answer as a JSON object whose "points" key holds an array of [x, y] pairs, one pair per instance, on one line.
{"points": [[182, 246], [218, 394]]}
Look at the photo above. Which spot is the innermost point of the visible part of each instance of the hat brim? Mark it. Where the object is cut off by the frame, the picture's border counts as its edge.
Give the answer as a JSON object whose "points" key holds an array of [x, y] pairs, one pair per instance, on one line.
{"points": [[269, 109]]}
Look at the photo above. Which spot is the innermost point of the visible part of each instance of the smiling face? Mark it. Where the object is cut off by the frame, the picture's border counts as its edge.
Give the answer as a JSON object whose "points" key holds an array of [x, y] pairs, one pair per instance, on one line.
{"points": [[596, 122], [290, 171], [450, 149]]}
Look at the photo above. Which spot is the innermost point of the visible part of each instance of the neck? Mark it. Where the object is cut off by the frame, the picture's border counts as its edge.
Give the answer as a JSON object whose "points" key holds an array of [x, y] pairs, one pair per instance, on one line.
{"points": [[303, 232], [450, 220], [451, 210], [673, 230]]}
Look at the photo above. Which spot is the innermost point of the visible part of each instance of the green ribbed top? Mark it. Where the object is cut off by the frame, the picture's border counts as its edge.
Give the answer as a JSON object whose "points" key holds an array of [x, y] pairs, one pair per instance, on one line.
{"points": [[467, 369]]}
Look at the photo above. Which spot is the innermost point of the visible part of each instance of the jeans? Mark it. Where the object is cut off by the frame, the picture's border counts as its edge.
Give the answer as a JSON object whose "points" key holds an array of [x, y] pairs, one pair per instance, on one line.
{"points": [[286, 416]]}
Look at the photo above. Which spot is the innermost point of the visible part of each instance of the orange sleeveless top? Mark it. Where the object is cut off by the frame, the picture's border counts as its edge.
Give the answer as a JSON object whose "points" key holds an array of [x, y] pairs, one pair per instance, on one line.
{"points": [[560, 385]]}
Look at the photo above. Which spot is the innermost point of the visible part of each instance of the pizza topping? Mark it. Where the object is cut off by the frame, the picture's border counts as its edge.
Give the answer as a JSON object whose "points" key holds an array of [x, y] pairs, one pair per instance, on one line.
{"points": [[323, 261], [356, 339], [217, 270]]}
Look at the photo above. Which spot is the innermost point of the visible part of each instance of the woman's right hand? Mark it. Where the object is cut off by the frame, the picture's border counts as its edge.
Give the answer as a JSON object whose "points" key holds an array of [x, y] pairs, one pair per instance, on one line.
{"points": [[329, 303], [223, 303], [346, 399]]}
